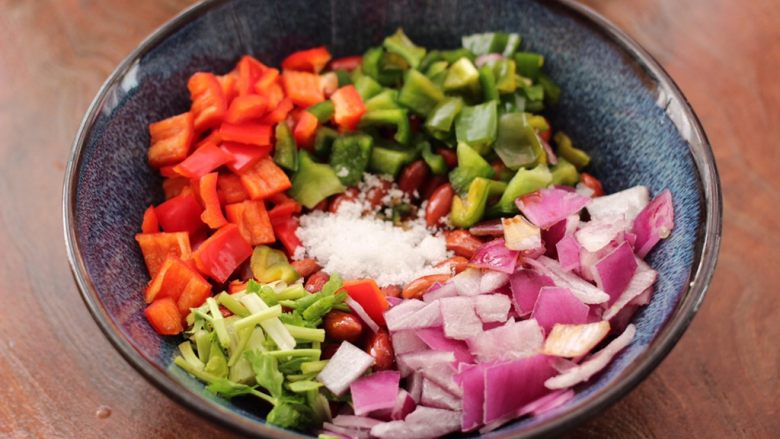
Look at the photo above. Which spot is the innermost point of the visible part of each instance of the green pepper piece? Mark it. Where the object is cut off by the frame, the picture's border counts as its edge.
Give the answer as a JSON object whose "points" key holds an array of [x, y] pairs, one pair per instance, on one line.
{"points": [[524, 182], [534, 98], [482, 44], [367, 87], [564, 172], [566, 149], [441, 118], [529, 64], [323, 111], [282, 271], [517, 144], [314, 181], [467, 212], [453, 55], [394, 117], [477, 126], [552, 92], [419, 93], [434, 161], [350, 156], [387, 100], [285, 150], [393, 61], [373, 67], [436, 68], [438, 79], [470, 166], [389, 161], [512, 44], [504, 72], [262, 258], [323, 141], [401, 44], [462, 75], [513, 103], [488, 82], [539, 123], [344, 78], [496, 188]]}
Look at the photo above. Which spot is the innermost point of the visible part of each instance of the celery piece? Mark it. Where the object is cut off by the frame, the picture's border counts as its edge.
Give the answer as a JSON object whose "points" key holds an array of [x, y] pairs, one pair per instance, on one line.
{"points": [[242, 335], [203, 344], [295, 291], [272, 326], [306, 334], [218, 322], [303, 386], [217, 364], [232, 304], [313, 366], [315, 353], [300, 377], [258, 317], [185, 348]]}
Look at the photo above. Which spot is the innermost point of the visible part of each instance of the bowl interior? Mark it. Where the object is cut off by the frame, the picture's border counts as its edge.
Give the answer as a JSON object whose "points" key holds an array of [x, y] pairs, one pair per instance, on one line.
{"points": [[609, 107]]}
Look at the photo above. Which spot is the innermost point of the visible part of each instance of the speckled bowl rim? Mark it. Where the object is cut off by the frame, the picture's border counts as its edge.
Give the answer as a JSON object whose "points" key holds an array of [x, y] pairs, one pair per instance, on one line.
{"points": [[678, 110]]}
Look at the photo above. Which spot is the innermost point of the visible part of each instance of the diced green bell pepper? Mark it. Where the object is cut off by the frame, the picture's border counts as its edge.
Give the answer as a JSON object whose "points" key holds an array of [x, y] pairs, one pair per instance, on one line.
{"points": [[350, 157], [477, 126], [467, 212], [441, 118], [517, 144], [462, 75], [398, 118], [534, 97], [512, 44], [490, 42], [394, 62], [373, 67], [529, 64], [449, 56], [539, 123], [436, 68], [386, 100], [487, 80], [367, 87], [323, 111], [552, 92], [564, 172], [323, 141], [264, 257], [389, 160], [470, 166], [566, 149], [512, 103], [524, 182], [344, 78], [504, 73], [314, 181], [283, 272], [419, 94], [285, 150], [434, 161], [401, 44]]}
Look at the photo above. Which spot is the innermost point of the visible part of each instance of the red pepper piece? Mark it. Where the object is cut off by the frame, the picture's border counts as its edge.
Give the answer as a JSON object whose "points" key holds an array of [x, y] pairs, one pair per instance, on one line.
{"points": [[175, 186], [244, 156], [267, 79], [157, 247], [150, 223], [236, 286], [367, 293], [348, 107], [252, 221], [220, 255], [284, 209], [208, 100], [303, 88], [305, 130], [212, 139], [246, 133], [174, 279], [202, 161], [348, 63], [310, 60], [249, 70], [593, 183], [170, 140], [247, 107], [229, 84], [279, 113], [180, 214], [212, 214], [230, 189], [164, 316], [264, 179], [284, 229]]}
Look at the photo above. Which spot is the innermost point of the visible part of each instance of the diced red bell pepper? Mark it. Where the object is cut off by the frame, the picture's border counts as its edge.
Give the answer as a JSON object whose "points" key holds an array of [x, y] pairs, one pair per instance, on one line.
{"points": [[279, 113], [348, 63], [267, 79], [348, 107], [252, 221], [156, 247], [208, 100], [212, 214], [175, 186], [246, 133], [249, 70], [220, 255], [180, 214], [236, 286], [164, 316], [264, 179], [247, 107], [305, 130], [229, 84], [202, 161], [275, 94], [212, 139], [310, 60], [593, 183], [284, 230], [168, 171], [367, 293], [303, 88], [170, 140], [284, 207], [150, 223], [244, 156], [230, 189], [175, 278]]}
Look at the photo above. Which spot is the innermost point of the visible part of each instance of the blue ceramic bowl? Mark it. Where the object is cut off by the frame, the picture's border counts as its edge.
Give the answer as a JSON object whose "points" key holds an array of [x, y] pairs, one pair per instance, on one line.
{"points": [[618, 104]]}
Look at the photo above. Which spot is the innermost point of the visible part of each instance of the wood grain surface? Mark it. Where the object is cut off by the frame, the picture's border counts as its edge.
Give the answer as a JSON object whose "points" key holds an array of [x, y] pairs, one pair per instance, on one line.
{"points": [[59, 377]]}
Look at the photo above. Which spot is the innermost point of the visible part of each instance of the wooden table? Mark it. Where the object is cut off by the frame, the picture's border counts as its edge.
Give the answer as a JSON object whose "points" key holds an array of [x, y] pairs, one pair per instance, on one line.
{"points": [[61, 378]]}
